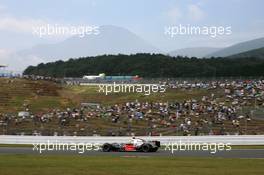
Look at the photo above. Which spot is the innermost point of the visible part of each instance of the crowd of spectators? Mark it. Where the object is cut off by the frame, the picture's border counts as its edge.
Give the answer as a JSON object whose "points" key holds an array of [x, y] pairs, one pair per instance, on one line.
{"points": [[209, 115]]}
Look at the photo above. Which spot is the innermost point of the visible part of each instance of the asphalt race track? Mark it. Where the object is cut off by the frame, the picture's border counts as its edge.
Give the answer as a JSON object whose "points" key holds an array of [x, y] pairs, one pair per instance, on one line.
{"points": [[236, 153]]}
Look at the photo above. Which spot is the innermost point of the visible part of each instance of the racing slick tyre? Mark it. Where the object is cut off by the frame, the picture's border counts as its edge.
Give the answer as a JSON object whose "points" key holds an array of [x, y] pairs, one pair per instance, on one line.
{"points": [[154, 149], [106, 147], [146, 148]]}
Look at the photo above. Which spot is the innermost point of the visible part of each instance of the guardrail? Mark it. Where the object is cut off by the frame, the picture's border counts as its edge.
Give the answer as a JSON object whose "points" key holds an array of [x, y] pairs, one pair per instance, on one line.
{"points": [[233, 140]]}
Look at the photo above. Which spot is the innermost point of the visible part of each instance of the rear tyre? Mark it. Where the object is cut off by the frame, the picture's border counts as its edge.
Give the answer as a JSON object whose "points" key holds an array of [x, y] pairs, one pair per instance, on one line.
{"points": [[154, 149], [106, 147], [146, 148]]}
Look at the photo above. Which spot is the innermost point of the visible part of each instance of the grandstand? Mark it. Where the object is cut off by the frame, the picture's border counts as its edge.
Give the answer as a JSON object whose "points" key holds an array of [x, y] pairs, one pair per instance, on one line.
{"points": [[7, 73], [2, 66], [3, 71]]}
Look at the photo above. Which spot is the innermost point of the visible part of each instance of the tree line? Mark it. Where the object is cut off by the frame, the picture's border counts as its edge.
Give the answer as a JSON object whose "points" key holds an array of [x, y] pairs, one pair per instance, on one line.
{"points": [[150, 65]]}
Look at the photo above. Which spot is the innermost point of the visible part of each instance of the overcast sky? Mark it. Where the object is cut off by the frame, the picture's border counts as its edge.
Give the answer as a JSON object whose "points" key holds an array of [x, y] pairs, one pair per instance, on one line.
{"points": [[146, 18]]}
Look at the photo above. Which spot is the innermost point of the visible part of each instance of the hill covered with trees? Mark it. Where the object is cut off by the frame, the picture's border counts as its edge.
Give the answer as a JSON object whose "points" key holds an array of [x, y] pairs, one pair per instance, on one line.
{"points": [[150, 65], [256, 53]]}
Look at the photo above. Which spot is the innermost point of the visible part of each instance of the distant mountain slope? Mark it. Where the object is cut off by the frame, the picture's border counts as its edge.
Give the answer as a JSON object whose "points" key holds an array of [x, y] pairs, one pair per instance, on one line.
{"points": [[198, 52], [256, 53], [111, 40], [239, 48]]}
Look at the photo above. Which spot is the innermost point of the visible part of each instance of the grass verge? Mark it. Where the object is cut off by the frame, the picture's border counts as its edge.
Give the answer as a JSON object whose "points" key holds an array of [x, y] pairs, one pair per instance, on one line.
{"points": [[68, 165]]}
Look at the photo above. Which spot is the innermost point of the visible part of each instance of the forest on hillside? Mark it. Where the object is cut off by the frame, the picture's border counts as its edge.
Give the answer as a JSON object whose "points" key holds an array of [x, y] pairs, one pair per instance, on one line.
{"points": [[150, 65]]}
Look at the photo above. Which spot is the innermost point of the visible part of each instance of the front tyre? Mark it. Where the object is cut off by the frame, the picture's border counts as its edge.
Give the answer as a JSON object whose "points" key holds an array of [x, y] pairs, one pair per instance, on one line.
{"points": [[106, 147]]}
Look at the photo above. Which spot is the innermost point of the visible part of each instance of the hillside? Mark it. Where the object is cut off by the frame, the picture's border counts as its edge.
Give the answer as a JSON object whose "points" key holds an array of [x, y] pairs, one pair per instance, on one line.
{"points": [[150, 65], [257, 53], [199, 52], [42, 98], [41, 95], [239, 48]]}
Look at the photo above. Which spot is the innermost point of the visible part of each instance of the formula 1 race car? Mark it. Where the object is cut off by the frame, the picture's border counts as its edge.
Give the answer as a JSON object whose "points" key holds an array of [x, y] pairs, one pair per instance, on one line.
{"points": [[136, 145]]}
